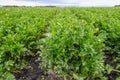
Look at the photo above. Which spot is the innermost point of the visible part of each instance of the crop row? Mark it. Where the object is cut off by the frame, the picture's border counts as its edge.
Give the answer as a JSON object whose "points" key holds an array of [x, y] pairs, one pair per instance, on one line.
{"points": [[82, 43]]}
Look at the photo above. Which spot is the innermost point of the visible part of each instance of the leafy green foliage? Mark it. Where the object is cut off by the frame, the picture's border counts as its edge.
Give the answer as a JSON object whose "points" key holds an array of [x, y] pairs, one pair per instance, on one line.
{"points": [[20, 33], [70, 41], [72, 48], [111, 25]]}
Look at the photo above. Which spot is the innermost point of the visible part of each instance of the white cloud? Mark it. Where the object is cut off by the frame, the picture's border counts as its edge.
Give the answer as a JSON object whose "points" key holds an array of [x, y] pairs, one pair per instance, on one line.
{"points": [[99, 2], [71, 1], [61, 2], [20, 3]]}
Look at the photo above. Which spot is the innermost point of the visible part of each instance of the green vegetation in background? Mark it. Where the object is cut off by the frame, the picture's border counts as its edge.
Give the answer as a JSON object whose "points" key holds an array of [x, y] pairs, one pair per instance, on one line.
{"points": [[70, 41]]}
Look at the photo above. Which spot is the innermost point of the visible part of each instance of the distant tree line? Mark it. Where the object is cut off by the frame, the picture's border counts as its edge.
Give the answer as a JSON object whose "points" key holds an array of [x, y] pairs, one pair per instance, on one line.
{"points": [[25, 6], [117, 5]]}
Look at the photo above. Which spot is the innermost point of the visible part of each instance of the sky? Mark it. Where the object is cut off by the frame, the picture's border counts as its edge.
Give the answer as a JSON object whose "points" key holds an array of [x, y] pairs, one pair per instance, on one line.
{"points": [[84, 3]]}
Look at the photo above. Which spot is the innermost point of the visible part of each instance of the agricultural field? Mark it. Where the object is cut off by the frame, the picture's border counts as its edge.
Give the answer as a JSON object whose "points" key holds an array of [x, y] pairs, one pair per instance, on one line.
{"points": [[59, 43]]}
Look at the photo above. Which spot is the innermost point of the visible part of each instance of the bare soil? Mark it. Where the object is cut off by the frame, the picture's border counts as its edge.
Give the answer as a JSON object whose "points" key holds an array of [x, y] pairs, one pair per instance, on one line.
{"points": [[35, 73], [110, 61]]}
